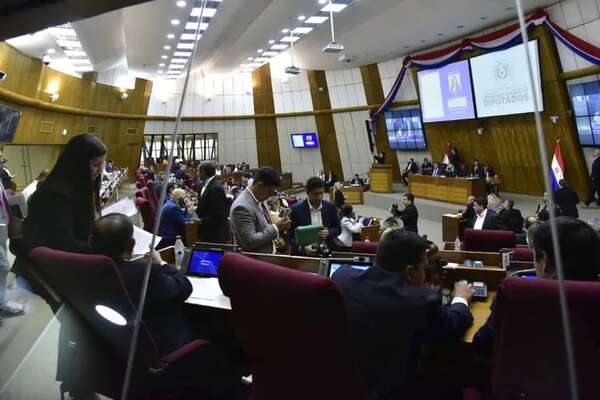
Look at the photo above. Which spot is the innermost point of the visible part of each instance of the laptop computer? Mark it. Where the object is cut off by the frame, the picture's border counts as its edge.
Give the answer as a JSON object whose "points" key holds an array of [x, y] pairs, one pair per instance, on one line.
{"points": [[203, 261], [329, 266]]}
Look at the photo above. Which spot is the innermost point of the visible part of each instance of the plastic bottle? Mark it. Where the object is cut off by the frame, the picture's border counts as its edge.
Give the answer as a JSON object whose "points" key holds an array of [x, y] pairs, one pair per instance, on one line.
{"points": [[179, 247], [457, 244]]}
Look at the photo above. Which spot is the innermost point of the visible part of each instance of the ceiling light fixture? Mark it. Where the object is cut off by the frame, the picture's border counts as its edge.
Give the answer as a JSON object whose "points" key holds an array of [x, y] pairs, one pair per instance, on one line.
{"points": [[269, 53], [69, 43], [181, 3], [189, 36], [292, 69], [208, 12], [160, 71], [164, 57], [289, 39], [50, 51], [167, 47], [171, 36], [285, 30], [323, 1], [187, 46], [75, 53], [250, 58], [259, 51], [316, 20], [332, 47], [334, 7], [301, 17], [178, 61], [192, 26], [175, 22], [161, 64], [271, 41], [303, 30], [279, 47], [182, 54]]}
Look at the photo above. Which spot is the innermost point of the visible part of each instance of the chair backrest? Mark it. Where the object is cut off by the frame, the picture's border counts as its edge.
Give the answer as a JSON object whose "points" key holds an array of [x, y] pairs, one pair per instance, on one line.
{"points": [[522, 254], [88, 283], [147, 211], [294, 329], [529, 353], [151, 193], [364, 247], [488, 240]]}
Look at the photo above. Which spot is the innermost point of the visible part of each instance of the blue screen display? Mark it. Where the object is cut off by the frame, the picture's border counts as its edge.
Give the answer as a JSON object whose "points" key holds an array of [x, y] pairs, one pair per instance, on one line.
{"points": [[205, 262], [335, 266], [9, 119], [305, 140], [405, 130], [586, 107]]}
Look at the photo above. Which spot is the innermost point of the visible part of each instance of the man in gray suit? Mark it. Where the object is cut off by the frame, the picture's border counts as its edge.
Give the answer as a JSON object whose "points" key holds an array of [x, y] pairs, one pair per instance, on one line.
{"points": [[251, 222]]}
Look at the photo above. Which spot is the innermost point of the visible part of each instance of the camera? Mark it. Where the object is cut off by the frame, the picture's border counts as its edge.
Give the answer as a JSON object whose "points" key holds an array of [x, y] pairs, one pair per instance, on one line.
{"points": [[2, 75]]}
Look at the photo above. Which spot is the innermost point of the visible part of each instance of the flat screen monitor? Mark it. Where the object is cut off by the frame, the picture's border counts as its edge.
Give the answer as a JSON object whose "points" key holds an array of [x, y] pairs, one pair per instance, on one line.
{"points": [[305, 140], [446, 93], [501, 81], [405, 130], [204, 262], [586, 109], [335, 265], [9, 119]]}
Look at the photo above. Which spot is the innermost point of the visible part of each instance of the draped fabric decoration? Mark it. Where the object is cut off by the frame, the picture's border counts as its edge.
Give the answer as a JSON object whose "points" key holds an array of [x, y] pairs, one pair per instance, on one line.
{"points": [[498, 40]]}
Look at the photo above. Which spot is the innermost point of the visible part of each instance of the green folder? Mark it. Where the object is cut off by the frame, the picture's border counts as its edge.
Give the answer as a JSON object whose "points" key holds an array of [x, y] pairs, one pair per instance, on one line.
{"points": [[308, 234]]}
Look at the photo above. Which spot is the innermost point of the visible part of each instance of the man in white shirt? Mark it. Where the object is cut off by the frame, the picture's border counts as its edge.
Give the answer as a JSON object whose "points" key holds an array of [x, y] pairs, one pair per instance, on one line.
{"points": [[484, 218]]}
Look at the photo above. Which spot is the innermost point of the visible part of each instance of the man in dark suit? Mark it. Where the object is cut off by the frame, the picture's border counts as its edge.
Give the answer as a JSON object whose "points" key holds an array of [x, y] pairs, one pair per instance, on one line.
{"points": [[329, 180], [315, 211], [175, 214], [595, 180], [5, 176], [477, 170], [484, 218], [212, 207], [392, 314], [426, 167], [437, 170], [411, 168], [510, 219], [357, 181], [409, 215], [566, 199]]}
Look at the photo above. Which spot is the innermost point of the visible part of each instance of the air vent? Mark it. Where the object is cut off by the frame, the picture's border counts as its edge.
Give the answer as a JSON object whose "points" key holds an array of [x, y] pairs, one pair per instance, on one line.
{"points": [[46, 126], [132, 131]]}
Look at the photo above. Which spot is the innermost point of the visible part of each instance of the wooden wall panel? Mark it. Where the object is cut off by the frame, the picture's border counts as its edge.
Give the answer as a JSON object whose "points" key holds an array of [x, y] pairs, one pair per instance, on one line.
{"points": [[267, 142], [374, 94], [509, 143], [328, 145], [28, 77]]}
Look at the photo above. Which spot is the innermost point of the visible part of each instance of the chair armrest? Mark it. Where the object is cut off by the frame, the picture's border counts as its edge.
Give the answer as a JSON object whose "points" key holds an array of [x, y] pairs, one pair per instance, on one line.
{"points": [[183, 351]]}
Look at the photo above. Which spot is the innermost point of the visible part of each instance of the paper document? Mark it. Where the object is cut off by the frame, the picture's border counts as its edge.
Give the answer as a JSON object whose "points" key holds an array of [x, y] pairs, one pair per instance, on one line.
{"points": [[142, 241], [124, 206]]}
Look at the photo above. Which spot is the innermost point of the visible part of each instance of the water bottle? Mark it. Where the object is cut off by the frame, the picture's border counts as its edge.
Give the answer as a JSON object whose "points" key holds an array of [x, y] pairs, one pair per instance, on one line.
{"points": [[179, 247], [457, 244]]}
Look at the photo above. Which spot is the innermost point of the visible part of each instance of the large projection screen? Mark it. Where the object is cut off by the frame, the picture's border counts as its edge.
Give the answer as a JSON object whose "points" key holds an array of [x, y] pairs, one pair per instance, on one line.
{"points": [[501, 81], [446, 93]]}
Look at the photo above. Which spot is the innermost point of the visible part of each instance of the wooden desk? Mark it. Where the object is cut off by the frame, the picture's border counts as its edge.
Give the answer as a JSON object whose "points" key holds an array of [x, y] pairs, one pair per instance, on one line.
{"points": [[372, 233], [380, 177], [352, 194], [481, 311], [451, 190], [450, 227]]}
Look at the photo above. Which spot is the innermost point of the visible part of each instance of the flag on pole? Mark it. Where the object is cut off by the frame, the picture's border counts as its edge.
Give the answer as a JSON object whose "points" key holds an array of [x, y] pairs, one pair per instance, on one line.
{"points": [[557, 167], [449, 155], [446, 160]]}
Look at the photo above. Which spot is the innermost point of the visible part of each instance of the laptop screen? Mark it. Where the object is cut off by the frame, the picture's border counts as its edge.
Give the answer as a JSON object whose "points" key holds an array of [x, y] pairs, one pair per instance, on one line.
{"points": [[334, 266], [205, 262]]}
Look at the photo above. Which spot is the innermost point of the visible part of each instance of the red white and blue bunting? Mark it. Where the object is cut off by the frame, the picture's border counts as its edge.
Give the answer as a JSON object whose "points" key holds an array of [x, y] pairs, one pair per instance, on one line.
{"points": [[498, 40]]}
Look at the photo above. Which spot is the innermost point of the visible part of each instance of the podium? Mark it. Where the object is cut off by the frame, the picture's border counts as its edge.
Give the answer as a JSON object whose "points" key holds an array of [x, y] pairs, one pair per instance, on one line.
{"points": [[381, 178]]}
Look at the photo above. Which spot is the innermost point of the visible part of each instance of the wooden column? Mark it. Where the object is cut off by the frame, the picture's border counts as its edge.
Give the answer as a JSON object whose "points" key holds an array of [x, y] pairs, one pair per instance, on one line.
{"points": [[330, 153], [267, 142], [375, 95]]}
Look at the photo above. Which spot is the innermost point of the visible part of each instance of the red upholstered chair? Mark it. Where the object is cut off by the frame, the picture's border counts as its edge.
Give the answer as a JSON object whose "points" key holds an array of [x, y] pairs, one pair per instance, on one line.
{"points": [[293, 328], [147, 211], [90, 282], [487, 240], [529, 356], [151, 193], [522, 254], [364, 247]]}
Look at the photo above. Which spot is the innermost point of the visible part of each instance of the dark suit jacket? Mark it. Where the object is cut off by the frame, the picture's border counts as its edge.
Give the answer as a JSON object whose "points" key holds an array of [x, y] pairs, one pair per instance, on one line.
{"points": [[426, 169], [490, 222], [300, 216], [167, 291], [510, 220], [5, 178], [484, 338], [437, 172], [469, 215], [596, 171], [478, 172], [338, 198], [566, 199], [409, 217], [389, 321], [412, 168], [212, 210]]}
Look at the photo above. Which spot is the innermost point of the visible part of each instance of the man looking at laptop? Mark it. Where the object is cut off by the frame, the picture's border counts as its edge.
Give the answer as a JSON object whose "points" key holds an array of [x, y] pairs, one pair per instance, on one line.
{"points": [[392, 314]]}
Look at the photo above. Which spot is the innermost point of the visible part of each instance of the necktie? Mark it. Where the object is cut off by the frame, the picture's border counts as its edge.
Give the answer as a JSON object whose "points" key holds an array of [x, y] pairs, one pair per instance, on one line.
{"points": [[265, 212]]}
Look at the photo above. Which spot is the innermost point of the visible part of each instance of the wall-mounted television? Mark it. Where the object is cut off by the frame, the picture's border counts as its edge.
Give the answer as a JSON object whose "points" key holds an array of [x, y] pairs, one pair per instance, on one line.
{"points": [[586, 109], [305, 140], [501, 81], [405, 130], [446, 93], [9, 119]]}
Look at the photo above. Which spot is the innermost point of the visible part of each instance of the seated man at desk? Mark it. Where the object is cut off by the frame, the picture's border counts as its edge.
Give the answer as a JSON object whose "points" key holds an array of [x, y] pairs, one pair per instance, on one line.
{"points": [[411, 168], [175, 213], [357, 181], [392, 314], [437, 170], [426, 167], [315, 211], [580, 256]]}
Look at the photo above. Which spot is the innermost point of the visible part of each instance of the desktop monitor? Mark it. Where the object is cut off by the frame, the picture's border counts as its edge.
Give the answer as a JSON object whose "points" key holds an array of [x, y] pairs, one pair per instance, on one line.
{"points": [[330, 266], [9, 120]]}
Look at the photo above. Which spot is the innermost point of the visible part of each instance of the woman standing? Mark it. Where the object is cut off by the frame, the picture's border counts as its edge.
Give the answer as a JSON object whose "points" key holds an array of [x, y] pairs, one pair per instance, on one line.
{"points": [[349, 225], [338, 195]]}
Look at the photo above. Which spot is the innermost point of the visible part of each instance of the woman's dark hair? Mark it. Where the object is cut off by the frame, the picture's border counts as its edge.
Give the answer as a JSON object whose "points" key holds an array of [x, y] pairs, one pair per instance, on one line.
{"points": [[346, 210], [71, 174]]}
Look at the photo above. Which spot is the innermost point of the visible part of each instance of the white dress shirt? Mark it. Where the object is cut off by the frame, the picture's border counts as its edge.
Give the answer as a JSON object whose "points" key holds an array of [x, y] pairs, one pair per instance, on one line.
{"points": [[30, 189], [315, 214], [480, 220], [349, 227], [205, 185]]}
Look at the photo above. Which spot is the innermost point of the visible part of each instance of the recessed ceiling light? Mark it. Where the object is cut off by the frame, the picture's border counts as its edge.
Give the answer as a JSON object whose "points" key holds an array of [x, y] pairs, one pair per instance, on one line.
{"points": [[176, 66], [259, 51], [167, 47], [173, 72], [323, 1], [261, 59], [160, 71], [75, 53], [164, 57], [182, 54], [289, 39], [285, 30], [192, 26], [271, 41], [208, 12], [279, 47], [269, 53], [187, 46], [175, 22], [250, 58], [334, 7], [171, 36], [69, 43], [51, 51], [161, 64], [178, 61], [316, 20], [189, 36], [181, 3], [301, 17], [303, 30]]}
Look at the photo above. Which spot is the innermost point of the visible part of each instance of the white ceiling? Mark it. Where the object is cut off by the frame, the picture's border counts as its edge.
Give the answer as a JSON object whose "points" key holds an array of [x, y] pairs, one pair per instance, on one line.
{"points": [[370, 30]]}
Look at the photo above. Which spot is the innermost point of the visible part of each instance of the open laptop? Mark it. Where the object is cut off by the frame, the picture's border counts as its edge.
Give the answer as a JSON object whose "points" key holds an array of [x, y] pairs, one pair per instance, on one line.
{"points": [[201, 266], [203, 261], [329, 265]]}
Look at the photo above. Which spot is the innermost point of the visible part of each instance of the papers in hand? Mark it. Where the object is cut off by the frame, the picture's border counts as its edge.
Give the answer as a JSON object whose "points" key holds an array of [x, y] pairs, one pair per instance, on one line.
{"points": [[142, 241], [124, 206]]}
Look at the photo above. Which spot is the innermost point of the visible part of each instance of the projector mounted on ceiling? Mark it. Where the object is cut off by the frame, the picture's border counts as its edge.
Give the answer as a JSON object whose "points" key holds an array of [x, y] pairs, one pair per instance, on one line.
{"points": [[333, 47], [292, 70]]}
